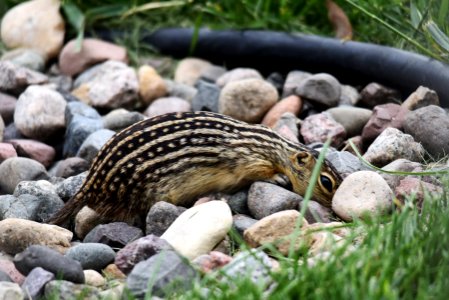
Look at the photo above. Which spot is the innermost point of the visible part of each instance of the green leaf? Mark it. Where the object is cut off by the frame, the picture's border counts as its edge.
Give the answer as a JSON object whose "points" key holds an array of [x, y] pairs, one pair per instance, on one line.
{"points": [[77, 19], [198, 22], [437, 34], [443, 12], [415, 15]]}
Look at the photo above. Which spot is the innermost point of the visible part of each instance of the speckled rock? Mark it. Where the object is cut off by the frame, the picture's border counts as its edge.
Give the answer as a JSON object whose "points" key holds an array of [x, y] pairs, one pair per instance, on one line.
{"points": [[16, 169], [6, 151], [93, 143], [392, 144], [36, 150], [416, 190], [401, 164], [109, 85], [353, 119], [422, 97], [39, 112], [86, 220], [207, 96], [93, 278], [35, 282], [376, 94], [7, 107], [287, 126], [190, 69], [7, 266], [321, 88], [116, 235], [26, 58], [362, 193], [70, 167], [15, 79], [92, 51], [67, 188], [22, 207], [180, 90], [212, 261], [34, 24], [291, 104], [17, 234], [265, 199], [161, 216], [253, 264], [247, 100], [67, 290], [345, 162], [319, 127], [292, 81], [120, 118], [151, 84], [11, 291], [429, 126], [138, 251], [167, 105], [236, 75], [197, 230], [349, 96], [95, 256], [242, 222]]}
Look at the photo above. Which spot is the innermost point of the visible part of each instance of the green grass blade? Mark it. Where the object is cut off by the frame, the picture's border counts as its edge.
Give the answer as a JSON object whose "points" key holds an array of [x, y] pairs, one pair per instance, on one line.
{"points": [[437, 34], [77, 19], [443, 12], [415, 15]]}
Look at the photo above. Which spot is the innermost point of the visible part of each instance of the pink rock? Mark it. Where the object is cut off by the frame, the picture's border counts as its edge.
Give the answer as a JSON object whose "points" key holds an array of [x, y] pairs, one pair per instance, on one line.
{"points": [[319, 127], [38, 151], [92, 51], [6, 151], [286, 132], [212, 261], [386, 115], [202, 200], [413, 186], [291, 104], [167, 105], [7, 107], [9, 268]]}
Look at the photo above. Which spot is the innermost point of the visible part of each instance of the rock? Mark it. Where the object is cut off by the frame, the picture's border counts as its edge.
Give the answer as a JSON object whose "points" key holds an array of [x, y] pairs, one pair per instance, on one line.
{"points": [[63, 84], [67, 188], [190, 69], [197, 230], [180, 90], [277, 80], [48, 200], [360, 194], [113, 272], [265, 199], [320, 127], [207, 96], [291, 104], [120, 118], [429, 126], [86, 220], [139, 250], [93, 278], [345, 162], [238, 202], [71, 166], [50, 260], [236, 75], [16, 169], [376, 94], [109, 85], [420, 98], [151, 85], [4, 276], [26, 58], [212, 73], [242, 222], [11, 132], [322, 242], [95, 256], [416, 190], [34, 24], [168, 273], [402, 165], [292, 81], [7, 266], [353, 119], [7, 107], [17, 234], [93, 143], [115, 235], [212, 261], [36, 150], [115, 293], [358, 143], [349, 96], [22, 207], [2, 128], [316, 212], [321, 88], [167, 105], [35, 282], [11, 291], [253, 264], [15, 79], [287, 127], [6, 151], [73, 61], [66, 290], [386, 115], [276, 229], [161, 216], [247, 100], [39, 113], [392, 144]]}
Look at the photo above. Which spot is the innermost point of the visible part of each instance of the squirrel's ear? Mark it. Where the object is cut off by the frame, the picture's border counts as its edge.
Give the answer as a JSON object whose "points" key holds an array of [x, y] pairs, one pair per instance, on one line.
{"points": [[303, 159]]}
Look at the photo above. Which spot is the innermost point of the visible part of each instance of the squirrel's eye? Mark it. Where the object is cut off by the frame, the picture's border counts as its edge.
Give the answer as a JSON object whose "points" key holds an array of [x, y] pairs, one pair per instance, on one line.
{"points": [[326, 182]]}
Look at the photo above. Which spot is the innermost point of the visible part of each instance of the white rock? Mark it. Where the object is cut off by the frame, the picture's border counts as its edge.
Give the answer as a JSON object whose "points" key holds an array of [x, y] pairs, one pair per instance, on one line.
{"points": [[362, 193], [197, 230], [10, 291], [190, 69], [94, 278]]}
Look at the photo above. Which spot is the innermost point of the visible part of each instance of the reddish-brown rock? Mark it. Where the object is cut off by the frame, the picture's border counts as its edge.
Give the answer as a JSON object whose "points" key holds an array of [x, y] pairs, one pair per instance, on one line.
{"points": [[291, 104], [38, 151], [212, 261], [6, 151], [320, 127], [375, 94], [416, 188], [9, 268]]}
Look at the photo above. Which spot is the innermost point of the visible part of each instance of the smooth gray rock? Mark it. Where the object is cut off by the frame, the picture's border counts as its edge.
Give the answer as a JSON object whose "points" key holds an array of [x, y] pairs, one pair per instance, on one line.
{"points": [[353, 119], [15, 79], [180, 90], [22, 207], [7, 107], [207, 97], [69, 167], [16, 169], [116, 235], [90, 147], [35, 282], [66, 290], [119, 119], [161, 216], [95, 256], [349, 96], [4, 277], [238, 202], [292, 81], [26, 58], [242, 222], [345, 162], [321, 88], [316, 212], [212, 73], [236, 75]]}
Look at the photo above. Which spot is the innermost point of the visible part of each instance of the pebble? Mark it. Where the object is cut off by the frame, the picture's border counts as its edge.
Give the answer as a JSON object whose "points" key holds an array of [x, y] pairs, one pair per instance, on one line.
{"points": [[116, 293], [323, 241], [265, 199], [242, 222], [11, 132], [39, 113], [93, 143], [402, 165], [291, 104], [321, 88], [93, 278], [238, 202], [109, 85], [161, 215], [353, 119], [15, 79], [236, 75], [2, 128], [7, 151], [177, 275], [392, 144], [115, 235], [50, 260], [86, 220], [189, 70], [34, 24], [17, 234], [287, 127], [422, 97], [4, 276], [167, 105], [315, 212], [34, 284], [376, 94], [386, 115], [247, 100], [207, 96], [95, 256], [429, 126], [69, 167], [360, 194], [139, 250], [7, 107], [416, 190], [66, 290], [113, 272], [151, 85], [22, 207], [7, 266], [197, 230], [26, 58], [252, 264], [36, 150], [11, 291], [120, 118], [277, 80], [349, 96], [292, 81], [345, 162], [180, 90], [212, 261], [92, 51], [212, 73], [320, 127], [16, 169], [67, 188]]}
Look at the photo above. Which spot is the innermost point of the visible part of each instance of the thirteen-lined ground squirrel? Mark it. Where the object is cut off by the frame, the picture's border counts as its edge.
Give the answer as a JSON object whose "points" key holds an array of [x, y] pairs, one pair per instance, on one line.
{"points": [[181, 156]]}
